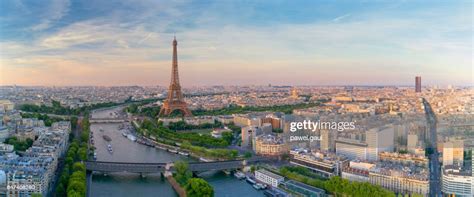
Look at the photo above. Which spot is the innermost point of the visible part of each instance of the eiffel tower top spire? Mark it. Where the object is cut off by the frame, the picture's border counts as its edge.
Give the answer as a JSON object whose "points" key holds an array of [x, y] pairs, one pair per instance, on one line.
{"points": [[174, 70]]}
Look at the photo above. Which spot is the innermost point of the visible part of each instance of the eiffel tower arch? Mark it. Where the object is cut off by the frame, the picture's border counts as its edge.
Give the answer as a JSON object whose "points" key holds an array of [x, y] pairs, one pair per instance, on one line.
{"points": [[175, 100]]}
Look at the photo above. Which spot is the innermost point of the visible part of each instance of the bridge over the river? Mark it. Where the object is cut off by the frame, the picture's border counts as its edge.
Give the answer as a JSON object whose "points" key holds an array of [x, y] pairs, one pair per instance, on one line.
{"points": [[103, 166]]}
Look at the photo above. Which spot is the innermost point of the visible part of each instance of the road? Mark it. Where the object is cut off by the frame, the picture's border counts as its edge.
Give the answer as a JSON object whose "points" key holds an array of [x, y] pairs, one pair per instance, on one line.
{"points": [[435, 170]]}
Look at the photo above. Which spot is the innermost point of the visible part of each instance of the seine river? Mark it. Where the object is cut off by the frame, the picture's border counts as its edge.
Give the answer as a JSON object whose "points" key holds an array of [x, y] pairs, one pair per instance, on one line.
{"points": [[128, 184]]}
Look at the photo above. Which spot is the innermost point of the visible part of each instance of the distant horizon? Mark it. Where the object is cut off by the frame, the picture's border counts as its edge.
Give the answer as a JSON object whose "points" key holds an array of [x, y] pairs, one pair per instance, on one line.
{"points": [[246, 85], [107, 43]]}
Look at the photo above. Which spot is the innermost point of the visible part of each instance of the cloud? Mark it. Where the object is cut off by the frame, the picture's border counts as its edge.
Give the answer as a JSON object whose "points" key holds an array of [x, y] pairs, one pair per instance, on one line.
{"points": [[56, 10], [135, 48], [339, 18], [145, 38]]}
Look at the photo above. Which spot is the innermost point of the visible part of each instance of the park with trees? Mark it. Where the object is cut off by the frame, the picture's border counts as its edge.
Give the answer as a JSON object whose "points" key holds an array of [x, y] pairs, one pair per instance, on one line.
{"points": [[334, 185], [72, 182]]}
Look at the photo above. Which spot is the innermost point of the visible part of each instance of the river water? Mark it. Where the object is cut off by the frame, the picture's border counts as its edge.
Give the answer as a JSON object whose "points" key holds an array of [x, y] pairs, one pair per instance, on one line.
{"points": [[129, 184]]}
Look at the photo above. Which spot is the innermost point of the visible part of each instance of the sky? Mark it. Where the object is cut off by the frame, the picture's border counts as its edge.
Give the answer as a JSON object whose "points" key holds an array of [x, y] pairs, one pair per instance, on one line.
{"points": [[227, 42]]}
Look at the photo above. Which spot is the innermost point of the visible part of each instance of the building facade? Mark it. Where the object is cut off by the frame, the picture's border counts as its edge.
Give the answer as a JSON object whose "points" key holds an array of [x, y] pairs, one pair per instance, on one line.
{"points": [[418, 84], [269, 178], [324, 164], [453, 153], [399, 183], [352, 149], [457, 182], [379, 140], [270, 145]]}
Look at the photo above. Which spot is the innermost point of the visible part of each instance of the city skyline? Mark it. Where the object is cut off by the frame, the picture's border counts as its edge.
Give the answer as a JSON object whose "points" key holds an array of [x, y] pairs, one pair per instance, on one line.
{"points": [[236, 43]]}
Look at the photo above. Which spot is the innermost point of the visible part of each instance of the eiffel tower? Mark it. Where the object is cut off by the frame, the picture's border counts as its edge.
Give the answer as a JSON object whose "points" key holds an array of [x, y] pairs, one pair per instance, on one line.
{"points": [[175, 100]]}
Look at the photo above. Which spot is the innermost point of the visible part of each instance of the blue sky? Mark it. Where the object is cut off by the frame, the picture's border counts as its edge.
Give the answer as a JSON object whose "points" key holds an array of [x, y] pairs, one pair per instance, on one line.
{"points": [[62, 42]]}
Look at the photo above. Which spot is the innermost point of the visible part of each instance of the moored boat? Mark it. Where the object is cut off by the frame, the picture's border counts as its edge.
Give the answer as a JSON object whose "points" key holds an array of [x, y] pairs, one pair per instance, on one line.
{"points": [[131, 137], [204, 159], [173, 150], [250, 180], [239, 175]]}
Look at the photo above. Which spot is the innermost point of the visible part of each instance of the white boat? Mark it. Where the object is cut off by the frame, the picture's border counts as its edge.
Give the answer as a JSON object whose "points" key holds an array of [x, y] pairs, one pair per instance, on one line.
{"points": [[256, 186], [204, 159], [160, 147], [131, 137], [124, 134], [173, 150], [239, 175], [183, 153], [261, 186], [250, 180]]}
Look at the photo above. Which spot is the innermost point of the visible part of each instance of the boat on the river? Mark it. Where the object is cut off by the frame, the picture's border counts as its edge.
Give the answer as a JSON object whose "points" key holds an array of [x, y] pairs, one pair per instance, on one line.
{"points": [[107, 138], [239, 175], [183, 153], [204, 159], [124, 134], [259, 186], [172, 150], [255, 186], [131, 137], [160, 147], [250, 180], [262, 186]]}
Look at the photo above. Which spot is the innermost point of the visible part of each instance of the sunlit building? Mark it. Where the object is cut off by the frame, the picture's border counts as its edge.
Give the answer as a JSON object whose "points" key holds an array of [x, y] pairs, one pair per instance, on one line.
{"points": [[324, 164], [457, 182], [352, 149], [357, 171], [453, 153], [328, 140], [270, 145], [379, 140], [400, 179], [268, 177]]}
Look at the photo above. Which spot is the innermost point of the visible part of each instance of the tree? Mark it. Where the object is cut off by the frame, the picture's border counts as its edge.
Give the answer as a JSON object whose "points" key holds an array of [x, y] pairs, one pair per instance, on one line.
{"points": [[182, 172], [74, 193], [60, 190], [82, 153], [199, 187], [228, 136], [253, 168], [78, 167], [248, 154]]}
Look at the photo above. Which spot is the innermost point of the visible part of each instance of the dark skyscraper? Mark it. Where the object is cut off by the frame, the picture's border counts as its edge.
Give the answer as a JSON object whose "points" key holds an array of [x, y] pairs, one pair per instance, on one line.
{"points": [[417, 84]]}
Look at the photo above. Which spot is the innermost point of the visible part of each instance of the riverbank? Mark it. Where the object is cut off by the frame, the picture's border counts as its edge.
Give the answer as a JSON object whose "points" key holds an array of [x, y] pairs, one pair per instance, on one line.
{"points": [[125, 184], [177, 188]]}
